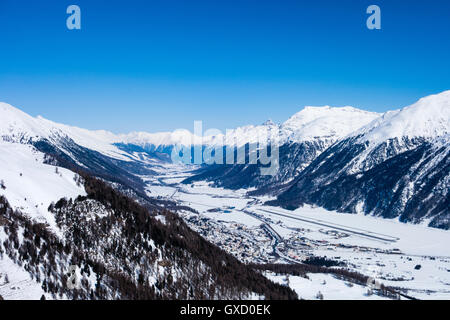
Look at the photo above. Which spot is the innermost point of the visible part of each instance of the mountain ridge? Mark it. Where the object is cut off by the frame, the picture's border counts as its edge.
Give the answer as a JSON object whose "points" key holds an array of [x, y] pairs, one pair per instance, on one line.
{"points": [[398, 166], [323, 151], [100, 139]]}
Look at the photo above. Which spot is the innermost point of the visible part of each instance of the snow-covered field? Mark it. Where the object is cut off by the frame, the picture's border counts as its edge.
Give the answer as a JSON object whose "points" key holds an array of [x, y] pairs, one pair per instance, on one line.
{"points": [[31, 185], [414, 258], [16, 283], [325, 285], [410, 239]]}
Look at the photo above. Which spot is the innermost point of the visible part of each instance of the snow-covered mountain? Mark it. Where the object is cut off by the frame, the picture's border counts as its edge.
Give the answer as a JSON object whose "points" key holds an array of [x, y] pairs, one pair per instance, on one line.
{"points": [[74, 148], [427, 118], [17, 126], [309, 124], [325, 122], [300, 139], [53, 217], [119, 250], [397, 166]]}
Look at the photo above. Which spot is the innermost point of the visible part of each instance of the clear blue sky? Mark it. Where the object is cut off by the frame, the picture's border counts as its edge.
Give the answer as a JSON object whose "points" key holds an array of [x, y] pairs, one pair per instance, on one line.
{"points": [[160, 65]]}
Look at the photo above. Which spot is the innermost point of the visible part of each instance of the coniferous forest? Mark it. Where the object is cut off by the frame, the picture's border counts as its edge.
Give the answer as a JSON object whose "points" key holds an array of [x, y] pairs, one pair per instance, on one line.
{"points": [[124, 252]]}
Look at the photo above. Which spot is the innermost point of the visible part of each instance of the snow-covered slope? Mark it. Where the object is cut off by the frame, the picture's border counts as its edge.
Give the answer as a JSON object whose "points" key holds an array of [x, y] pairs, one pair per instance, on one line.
{"points": [[160, 141], [325, 122], [401, 154], [398, 166], [96, 152], [30, 185], [17, 126], [39, 240], [15, 282], [301, 139], [166, 140], [427, 118], [101, 236], [309, 124]]}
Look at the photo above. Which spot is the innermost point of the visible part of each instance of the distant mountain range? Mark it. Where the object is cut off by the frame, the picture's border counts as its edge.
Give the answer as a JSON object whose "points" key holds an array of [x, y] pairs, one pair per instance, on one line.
{"points": [[72, 198], [78, 197], [394, 165], [301, 139]]}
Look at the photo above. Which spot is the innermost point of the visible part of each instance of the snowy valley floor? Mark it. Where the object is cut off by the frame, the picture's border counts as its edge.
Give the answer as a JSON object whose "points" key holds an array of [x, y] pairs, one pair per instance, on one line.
{"points": [[413, 258]]}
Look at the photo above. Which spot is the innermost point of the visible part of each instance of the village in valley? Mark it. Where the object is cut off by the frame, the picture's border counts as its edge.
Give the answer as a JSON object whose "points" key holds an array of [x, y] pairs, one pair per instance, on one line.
{"points": [[396, 254]]}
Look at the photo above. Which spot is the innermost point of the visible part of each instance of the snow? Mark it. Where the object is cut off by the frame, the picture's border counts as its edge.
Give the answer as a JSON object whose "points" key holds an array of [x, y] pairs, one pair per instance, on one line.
{"points": [[400, 131], [391, 261], [20, 285], [16, 126], [15, 282], [326, 122], [429, 118], [161, 139], [330, 287], [31, 185], [308, 124], [14, 121], [161, 219], [412, 239], [239, 137], [99, 140]]}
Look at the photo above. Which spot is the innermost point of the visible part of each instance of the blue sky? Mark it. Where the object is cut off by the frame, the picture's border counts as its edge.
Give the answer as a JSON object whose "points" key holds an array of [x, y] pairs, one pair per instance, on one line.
{"points": [[160, 65]]}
